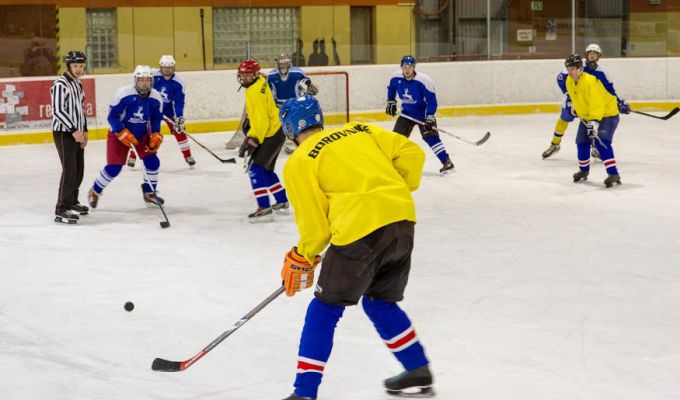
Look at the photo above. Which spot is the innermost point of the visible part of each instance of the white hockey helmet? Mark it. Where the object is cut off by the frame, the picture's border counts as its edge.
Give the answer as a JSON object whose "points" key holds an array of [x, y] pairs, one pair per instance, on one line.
{"points": [[143, 71], [167, 61], [594, 47]]}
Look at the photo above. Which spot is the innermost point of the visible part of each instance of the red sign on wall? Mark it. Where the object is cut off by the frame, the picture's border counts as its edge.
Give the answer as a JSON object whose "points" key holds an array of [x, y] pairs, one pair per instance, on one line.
{"points": [[27, 104]]}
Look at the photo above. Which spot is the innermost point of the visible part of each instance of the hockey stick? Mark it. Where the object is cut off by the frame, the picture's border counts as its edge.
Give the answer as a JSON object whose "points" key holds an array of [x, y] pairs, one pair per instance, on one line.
{"points": [[477, 143], [166, 223], [160, 364], [665, 117], [228, 160]]}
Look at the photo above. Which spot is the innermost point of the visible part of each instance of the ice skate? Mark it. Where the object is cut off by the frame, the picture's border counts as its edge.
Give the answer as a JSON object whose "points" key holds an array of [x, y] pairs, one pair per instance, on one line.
{"points": [[411, 384], [80, 209], [581, 176], [281, 208], [612, 180], [131, 162], [447, 168], [262, 214], [296, 397], [93, 198], [66, 217], [554, 148], [190, 160], [151, 199]]}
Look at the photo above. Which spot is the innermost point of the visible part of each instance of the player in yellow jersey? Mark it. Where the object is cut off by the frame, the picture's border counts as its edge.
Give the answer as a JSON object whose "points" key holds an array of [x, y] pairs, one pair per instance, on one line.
{"points": [[599, 115], [263, 142], [351, 187]]}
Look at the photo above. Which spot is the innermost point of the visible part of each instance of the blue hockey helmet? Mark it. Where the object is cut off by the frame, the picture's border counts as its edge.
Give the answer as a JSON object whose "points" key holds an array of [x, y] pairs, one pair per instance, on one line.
{"points": [[299, 114], [408, 60]]}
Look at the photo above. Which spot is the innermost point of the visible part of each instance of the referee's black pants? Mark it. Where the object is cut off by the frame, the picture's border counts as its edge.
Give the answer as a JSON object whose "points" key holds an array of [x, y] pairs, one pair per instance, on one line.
{"points": [[72, 158]]}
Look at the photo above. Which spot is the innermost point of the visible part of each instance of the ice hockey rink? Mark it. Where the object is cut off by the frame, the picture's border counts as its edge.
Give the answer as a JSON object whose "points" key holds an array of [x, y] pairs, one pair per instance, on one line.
{"points": [[524, 285]]}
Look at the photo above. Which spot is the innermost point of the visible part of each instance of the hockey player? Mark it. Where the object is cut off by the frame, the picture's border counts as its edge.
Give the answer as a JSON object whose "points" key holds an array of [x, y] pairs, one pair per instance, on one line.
{"points": [[419, 101], [593, 54], [287, 82], [172, 89], [351, 187], [263, 142], [599, 114], [134, 109]]}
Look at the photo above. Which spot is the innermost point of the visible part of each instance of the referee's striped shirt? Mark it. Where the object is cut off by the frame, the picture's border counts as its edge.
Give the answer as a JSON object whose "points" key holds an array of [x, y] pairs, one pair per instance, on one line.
{"points": [[68, 105]]}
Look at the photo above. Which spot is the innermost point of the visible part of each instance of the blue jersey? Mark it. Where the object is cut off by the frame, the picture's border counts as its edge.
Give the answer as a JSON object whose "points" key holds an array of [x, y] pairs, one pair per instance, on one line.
{"points": [[417, 95], [285, 88], [138, 114], [172, 92], [598, 72]]}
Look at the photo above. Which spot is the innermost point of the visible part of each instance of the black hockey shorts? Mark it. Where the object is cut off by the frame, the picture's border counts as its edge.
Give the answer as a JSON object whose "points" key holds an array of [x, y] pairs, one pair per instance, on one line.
{"points": [[268, 151], [376, 265], [405, 126]]}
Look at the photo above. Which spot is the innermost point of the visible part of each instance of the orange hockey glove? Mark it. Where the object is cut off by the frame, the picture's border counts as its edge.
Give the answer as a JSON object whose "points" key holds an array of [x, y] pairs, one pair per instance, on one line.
{"points": [[127, 138], [297, 273], [154, 142]]}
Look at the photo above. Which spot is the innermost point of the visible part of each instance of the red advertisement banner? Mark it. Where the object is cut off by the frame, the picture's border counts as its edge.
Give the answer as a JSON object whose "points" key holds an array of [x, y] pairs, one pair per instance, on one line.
{"points": [[27, 104]]}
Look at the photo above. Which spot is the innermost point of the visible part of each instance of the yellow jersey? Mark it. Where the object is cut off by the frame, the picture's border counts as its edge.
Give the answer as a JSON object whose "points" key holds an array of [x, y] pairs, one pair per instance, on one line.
{"points": [[262, 110], [590, 99], [345, 183]]}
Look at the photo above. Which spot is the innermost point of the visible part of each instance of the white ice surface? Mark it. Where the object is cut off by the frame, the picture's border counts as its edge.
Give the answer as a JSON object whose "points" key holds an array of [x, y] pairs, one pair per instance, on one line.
{"points": [[524, 285]]}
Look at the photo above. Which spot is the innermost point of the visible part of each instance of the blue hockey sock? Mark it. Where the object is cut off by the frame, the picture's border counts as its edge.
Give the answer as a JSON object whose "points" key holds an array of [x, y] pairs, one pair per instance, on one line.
{"points": [[258, 181], [276, 188], [437, 147], [152, 164], [583, 153], [396, 330], [316, 344], [607, 156], [105, 177]]}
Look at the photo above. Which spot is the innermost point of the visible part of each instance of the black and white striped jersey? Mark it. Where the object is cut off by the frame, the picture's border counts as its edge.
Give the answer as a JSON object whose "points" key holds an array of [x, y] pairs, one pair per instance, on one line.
{"points": [[68, 105]]}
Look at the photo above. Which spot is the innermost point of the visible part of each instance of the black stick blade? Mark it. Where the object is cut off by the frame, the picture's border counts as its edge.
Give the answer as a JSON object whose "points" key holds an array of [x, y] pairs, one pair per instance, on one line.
{"points": [[165, 224], [162, 365], [484, 139], [228, 160]]}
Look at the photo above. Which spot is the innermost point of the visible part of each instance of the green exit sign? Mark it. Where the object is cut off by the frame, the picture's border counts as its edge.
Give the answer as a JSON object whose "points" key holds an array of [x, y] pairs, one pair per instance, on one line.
{"points": [[536, 6]]}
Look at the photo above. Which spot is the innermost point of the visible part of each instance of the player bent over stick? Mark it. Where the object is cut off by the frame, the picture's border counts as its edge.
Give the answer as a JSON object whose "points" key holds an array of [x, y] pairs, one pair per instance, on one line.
{"points": [[134, 108], [351, 187], [263, 142]]}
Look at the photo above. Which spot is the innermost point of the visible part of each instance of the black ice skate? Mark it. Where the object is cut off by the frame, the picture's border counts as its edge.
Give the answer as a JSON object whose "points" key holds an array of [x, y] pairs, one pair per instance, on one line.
{"points": [[131, 162], [447, 167], [261, 215], [66, 217], [411, 384], [190, 160], [151, 199], [612, 180], [93, 198], [281, 208], [296, 397], [554, 148], [581, 176], [80, 209]]}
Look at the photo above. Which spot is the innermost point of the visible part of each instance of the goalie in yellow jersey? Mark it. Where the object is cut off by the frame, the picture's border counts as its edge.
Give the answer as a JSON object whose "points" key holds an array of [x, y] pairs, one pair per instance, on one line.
{"points": [[351, 187], [263, 142]]}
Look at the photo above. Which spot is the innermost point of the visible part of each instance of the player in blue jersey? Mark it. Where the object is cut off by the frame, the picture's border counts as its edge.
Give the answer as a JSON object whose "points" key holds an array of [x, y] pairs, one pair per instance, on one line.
{"points": [[172, 89], [567, 114], [419, 101], [288, 82], [135, 118]]}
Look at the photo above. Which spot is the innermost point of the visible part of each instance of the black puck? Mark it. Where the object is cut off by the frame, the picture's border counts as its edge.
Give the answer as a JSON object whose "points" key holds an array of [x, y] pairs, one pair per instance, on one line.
{"points": [[129, 306]]}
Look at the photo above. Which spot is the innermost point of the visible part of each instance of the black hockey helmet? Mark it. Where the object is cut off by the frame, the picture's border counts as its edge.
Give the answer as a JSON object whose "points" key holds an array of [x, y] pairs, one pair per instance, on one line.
{"points": [[574, 60], [75, 56]]}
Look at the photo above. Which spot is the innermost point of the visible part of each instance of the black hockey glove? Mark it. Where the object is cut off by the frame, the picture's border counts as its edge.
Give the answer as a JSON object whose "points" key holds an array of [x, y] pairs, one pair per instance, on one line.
{"points": [[248, 146], [430, 123], [246, 126], [624, 108], [391, 108]]}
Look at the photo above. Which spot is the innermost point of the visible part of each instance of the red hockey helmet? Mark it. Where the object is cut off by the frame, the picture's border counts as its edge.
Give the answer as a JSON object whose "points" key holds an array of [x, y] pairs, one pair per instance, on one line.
{"points": [[249, 66]]}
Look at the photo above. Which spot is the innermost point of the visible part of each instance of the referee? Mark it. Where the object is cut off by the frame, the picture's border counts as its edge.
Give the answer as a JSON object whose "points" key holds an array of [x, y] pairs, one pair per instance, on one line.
{"points": [[69, 128]]}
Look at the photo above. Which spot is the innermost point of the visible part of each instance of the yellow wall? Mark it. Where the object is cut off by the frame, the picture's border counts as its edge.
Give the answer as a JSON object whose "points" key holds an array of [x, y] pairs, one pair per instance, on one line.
{"points": [[326, 22], [395, 33], [647, 34], [124, 27], [153, 33], [188, 48], [72, 31]]}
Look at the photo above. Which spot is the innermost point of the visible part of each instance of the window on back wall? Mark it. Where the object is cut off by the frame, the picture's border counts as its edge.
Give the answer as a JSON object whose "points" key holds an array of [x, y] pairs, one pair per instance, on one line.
{"points": [[266, 31], [101, 38]]}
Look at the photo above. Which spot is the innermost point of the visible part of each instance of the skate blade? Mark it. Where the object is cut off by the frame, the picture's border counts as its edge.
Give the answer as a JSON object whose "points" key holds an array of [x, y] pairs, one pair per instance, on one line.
{"points": [[65, 221], [151, 204], [425, 392], [261, 220]]}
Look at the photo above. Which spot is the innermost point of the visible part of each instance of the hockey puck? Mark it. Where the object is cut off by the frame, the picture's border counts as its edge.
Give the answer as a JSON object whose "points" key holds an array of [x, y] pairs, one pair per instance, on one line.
{"points": [[129, 306]]}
